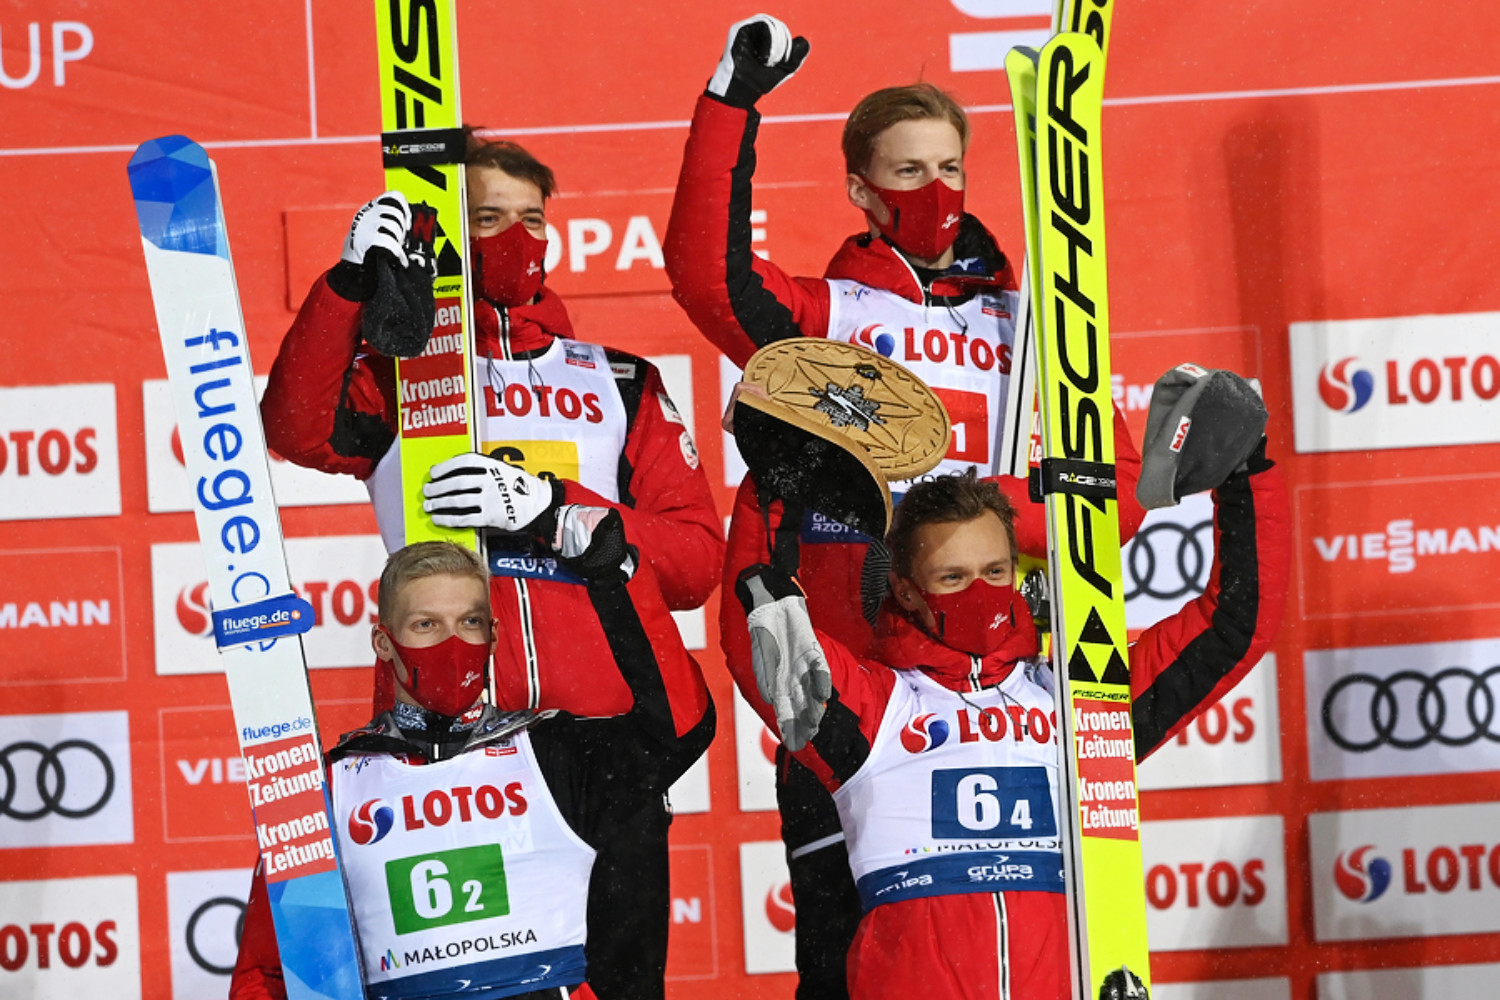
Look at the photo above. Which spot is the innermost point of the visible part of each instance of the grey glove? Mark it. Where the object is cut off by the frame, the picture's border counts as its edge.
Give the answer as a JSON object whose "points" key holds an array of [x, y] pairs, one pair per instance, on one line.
{"points": [[790, 668]]}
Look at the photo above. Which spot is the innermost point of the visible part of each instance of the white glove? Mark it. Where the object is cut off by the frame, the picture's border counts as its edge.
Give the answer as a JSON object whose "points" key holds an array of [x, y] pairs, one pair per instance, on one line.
{"points": [[476, 491], [384, 223], [759, 56], [791, 671]]}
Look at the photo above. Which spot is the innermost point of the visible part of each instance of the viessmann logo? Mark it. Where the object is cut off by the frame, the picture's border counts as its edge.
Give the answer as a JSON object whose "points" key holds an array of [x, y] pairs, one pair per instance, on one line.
{"points": [[1402, 543]]}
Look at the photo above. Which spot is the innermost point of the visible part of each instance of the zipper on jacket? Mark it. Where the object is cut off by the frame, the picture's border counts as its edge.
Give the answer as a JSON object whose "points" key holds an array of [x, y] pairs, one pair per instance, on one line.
{"points": [[528, 642], [504, 314], [975, 663]]}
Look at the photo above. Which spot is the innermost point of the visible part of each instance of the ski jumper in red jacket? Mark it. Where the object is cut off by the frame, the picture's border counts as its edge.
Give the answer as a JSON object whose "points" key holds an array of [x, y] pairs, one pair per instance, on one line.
{"points": [[905, 718], [601, 422], [954, 330]]}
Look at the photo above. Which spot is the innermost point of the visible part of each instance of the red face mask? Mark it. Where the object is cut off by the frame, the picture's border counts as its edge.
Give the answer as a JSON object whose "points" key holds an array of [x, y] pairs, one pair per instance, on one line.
{"points": [[981, 619], [508, 265], [924, 220], [447, 678]]}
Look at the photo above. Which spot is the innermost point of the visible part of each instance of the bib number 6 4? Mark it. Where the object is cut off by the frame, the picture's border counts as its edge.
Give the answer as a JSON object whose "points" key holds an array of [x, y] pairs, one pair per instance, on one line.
{"points": [[999, 802]]}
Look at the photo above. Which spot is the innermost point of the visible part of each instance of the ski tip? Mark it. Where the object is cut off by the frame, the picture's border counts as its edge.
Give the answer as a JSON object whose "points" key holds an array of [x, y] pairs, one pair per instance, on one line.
{"points": [[176, 199]]}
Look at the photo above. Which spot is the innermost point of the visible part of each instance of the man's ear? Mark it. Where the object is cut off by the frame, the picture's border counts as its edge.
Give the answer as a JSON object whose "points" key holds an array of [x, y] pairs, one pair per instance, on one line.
{"points": [[381, 643], [912, 601], [494, 635], [862, 198]]}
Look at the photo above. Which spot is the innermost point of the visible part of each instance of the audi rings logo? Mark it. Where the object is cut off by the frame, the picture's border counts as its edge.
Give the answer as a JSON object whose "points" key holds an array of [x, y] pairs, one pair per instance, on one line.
{"points": [[1409, 709], [1168, 561], [52, 771], [206, 943]]}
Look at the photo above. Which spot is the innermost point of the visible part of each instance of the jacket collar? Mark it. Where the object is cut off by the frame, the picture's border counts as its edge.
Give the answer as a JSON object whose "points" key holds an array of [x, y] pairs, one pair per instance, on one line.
{"points": [[901, 644], [524, 330], [873, 261]]}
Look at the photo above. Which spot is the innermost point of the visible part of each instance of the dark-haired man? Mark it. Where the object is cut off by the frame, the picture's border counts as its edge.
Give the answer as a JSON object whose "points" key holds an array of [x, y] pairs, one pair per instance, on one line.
{"points": [[563, 422], [955, 642]]}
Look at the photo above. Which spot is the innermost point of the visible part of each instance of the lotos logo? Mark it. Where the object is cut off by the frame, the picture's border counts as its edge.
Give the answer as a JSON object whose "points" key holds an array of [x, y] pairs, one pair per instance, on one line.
{"points": [[780, 910], [925, 732], [877, 339], [1342, 391], [371, 822], [194, 610], [1362, 882]]}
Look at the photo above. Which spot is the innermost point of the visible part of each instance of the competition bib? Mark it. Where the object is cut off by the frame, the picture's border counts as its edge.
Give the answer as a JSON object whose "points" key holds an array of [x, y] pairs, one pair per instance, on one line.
{"points": [[464, 877], [959, 793]]}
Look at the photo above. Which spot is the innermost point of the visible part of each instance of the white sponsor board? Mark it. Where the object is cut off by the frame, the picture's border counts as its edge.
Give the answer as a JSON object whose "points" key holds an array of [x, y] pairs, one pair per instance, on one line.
{"points": [[1169, 560], [1236, 741], [337, 574], [59, 453], [65, 780], [1428, 708], [1226, 989], [1419, 871], [1431, 982], [734, 466], [1215, 883], [1402, 382], [689, 793], [205, 912], [766, 905], [755, 766], [167, 486], [67, 938]]}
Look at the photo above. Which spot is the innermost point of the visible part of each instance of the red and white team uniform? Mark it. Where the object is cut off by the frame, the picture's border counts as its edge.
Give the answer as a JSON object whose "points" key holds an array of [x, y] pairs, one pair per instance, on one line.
{"points": [[952, 835], [597, 419]]}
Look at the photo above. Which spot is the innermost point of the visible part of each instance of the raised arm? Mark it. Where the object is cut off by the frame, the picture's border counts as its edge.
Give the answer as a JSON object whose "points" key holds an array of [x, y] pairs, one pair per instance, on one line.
{"points": [[1182, 665], [738, 300]]}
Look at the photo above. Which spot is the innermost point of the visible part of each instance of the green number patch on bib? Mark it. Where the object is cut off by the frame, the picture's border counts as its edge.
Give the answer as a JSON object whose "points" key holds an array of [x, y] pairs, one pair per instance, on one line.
{"points": [[447, 887]]}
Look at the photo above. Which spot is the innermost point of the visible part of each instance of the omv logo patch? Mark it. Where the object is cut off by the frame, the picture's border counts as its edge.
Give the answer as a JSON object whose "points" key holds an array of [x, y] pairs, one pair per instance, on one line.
{"points": [[1361, 880], [371, 822], [925, 732], [877, 338], [1344, 386]]}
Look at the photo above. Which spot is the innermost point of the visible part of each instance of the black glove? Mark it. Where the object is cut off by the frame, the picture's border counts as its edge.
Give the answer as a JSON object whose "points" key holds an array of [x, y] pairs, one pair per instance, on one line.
{"points": [[759, 57]]}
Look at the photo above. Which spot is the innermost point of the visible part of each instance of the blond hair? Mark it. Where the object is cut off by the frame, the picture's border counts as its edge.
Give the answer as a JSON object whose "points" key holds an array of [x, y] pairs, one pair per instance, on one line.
{"points": [[879, 111], [424, 559]]}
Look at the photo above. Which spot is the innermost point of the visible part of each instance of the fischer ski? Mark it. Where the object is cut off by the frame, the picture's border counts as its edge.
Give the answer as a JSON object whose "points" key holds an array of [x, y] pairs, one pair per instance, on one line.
{"points": [[258, 619], [1061, 166], [423, 145], [1019, 449]]}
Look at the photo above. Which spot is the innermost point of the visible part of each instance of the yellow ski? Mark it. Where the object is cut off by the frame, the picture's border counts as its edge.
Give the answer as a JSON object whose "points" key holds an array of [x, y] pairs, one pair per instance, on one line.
{"points": [[1105, 877], [423, 145]]}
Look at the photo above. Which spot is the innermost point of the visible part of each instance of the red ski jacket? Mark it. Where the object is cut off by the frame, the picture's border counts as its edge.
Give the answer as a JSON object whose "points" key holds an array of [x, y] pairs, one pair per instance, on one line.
{"points": [[1014, 945], [330, 404], [742, 302]]}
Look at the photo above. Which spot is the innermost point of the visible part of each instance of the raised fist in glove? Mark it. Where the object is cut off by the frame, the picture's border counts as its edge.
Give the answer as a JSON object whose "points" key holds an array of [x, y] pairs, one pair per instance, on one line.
{"points": [[759, 57], [790, 668], [477, 491]]}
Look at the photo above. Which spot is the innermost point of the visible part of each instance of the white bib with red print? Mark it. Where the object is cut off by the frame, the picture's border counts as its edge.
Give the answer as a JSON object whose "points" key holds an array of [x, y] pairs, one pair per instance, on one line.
{"points": [[962, 352]]}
